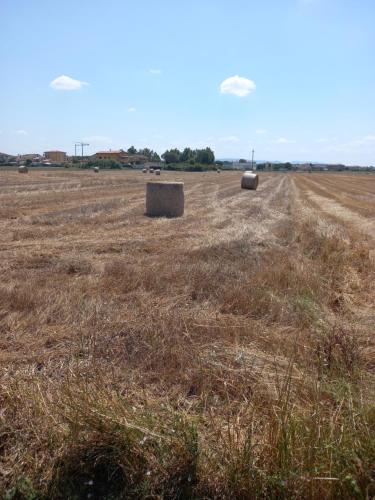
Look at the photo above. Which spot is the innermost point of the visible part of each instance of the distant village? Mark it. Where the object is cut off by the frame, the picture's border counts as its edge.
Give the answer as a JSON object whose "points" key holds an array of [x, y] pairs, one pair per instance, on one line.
{"points": [[58, 158], [133, 159]]}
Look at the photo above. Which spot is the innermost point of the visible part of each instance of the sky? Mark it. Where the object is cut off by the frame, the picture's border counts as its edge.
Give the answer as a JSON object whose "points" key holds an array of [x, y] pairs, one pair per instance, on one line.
{"points": [[292, 79]]}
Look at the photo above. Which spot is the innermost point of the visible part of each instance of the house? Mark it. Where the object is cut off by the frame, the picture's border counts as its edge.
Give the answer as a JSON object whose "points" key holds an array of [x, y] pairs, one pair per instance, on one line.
{"points": [[55, 156], [121, 156], [35, 158]]}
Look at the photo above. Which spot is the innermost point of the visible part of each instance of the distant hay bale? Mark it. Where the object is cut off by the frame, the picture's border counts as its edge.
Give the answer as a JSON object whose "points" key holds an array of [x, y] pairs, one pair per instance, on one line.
{"points": [[165, 199], [151, 170], [144, 170], [157, 172], [249, 180], [96, 170], [22, 169], [218, 171]]}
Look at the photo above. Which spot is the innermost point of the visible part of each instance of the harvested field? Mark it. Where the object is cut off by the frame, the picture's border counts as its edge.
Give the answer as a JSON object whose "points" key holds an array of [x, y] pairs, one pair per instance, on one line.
{"points": [[229, 353]]}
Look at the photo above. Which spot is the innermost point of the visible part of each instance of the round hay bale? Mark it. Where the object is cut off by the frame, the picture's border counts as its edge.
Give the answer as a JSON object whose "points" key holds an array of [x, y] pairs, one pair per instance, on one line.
{"points": [[151, 170], [144, 170], [249, 180], [218, 171], [165, 199], [96, 170], [157, 172], [22, 169]]}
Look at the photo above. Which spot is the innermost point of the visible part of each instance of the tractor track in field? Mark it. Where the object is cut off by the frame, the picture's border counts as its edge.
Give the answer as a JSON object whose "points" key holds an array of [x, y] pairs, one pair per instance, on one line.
{"points": [[69, 215], [324, 199]]}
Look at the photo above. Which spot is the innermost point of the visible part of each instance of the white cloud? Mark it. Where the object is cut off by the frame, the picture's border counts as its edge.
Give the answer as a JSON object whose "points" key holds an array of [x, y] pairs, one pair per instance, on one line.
{"points": [[325, 140], [155, 71], [367, 139], [260, 131], [131, 109], [367, 142], [237, 85], [229, 138], [64, 82], [21, 132], [283, 140]]}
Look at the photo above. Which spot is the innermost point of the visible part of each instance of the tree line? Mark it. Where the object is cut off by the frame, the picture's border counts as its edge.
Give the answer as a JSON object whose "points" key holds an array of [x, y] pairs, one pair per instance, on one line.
{"points": [[192, 156], [197, 156], [151, 155]]}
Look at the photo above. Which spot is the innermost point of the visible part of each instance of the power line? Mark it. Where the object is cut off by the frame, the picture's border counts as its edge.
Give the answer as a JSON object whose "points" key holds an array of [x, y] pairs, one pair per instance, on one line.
{"points": [[82, 145]]}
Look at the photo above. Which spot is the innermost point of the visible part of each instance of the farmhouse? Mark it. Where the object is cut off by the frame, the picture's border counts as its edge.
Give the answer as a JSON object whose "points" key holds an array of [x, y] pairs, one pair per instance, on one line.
{"points": [[121, 156]]}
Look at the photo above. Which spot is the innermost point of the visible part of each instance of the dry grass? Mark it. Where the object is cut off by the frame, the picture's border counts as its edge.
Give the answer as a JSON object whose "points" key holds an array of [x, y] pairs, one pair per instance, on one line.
{"points": [[226, 354]]}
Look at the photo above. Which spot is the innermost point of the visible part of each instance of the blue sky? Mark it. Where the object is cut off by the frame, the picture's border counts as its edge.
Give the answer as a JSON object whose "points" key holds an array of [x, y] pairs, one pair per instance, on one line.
{"points": [[160, 74]]}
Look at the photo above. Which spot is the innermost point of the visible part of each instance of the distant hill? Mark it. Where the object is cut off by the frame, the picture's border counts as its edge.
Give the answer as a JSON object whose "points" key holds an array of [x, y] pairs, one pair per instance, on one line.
{"points": [[4, 157]]}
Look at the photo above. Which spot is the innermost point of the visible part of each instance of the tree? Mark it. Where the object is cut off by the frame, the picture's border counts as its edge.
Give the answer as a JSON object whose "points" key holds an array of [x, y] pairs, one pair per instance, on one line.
{"points": [[154, 156], [28, 162], [242, 160], [132, 150], [171, 156], [187, 155], [151, 155], [205, 156], [145, 152]]}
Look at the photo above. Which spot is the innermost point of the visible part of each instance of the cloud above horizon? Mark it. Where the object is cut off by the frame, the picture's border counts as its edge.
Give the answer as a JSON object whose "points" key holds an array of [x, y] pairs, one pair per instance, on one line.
{"points": [[367, 139], [64, 82], [132, 109], [155, 71], [283, 140], [237, 85], [21, 132], [229, 138]]}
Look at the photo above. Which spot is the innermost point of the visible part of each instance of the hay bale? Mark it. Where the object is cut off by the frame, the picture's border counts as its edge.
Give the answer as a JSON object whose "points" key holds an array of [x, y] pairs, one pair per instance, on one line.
{"points": [[96, 170], [144, 170], [151, 170], [249, 180], [218, 171], [157, 172], [165, 199], [22, 169]]}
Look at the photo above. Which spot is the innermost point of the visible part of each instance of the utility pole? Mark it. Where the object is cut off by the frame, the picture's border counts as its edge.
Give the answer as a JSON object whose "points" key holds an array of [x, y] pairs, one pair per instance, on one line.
{"points": [[82, 144], [252, 160]]}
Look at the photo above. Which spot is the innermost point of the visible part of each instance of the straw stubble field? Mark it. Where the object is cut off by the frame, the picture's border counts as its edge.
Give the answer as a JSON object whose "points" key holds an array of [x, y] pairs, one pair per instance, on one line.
{"points": [[229, 353]]}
